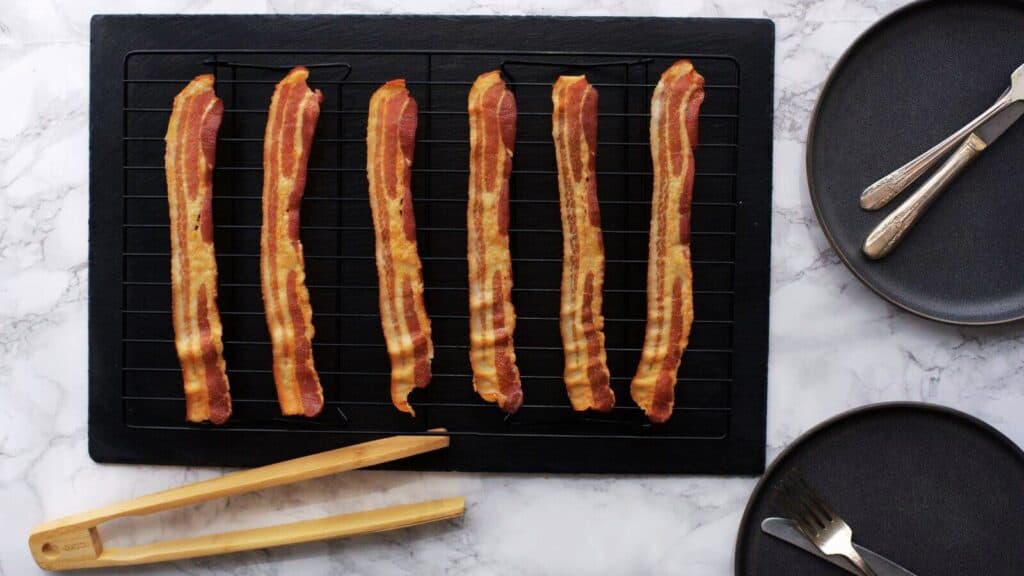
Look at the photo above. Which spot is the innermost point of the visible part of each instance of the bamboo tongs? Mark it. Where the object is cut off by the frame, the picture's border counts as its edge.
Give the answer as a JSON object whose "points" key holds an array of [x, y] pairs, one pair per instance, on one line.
{"points": [[74, 541]]}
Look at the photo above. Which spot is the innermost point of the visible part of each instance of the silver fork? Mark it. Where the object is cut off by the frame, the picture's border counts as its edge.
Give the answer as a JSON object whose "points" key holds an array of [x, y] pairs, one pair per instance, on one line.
{"points": [[819, 522]]}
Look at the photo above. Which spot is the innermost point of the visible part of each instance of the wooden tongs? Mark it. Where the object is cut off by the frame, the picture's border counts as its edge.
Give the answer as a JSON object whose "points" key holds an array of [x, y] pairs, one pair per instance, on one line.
{"points": [[74, 541]]}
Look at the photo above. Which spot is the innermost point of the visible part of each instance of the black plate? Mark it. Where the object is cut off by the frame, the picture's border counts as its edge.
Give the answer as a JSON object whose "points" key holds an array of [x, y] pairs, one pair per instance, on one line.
{"points": [[934, 489], [909, 81]]}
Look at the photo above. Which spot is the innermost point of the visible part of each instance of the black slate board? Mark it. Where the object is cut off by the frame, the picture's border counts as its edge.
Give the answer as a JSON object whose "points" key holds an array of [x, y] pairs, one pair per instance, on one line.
{"points": [[911, 80], [931, 488], [136, 404]]}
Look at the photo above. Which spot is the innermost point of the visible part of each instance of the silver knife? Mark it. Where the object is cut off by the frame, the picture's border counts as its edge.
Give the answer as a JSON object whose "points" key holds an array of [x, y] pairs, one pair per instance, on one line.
{"points": [[880, 193], [895, 226], [787, 531]]}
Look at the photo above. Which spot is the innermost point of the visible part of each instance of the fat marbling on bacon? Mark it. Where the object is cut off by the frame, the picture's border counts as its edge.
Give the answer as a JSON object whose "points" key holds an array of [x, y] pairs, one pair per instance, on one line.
{"points": [[574, 129], [674, 109], [294, 110], [189, 159], [492, 134], [390, 143]]}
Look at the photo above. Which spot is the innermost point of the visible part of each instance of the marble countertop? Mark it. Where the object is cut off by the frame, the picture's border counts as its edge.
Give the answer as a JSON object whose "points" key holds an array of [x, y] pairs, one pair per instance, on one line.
{"points": [[834, 344]]}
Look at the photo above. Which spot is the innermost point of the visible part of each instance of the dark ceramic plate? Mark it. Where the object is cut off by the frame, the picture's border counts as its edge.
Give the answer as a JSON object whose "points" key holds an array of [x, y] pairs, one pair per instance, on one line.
{"points": [[936, 490], [909, 81]]}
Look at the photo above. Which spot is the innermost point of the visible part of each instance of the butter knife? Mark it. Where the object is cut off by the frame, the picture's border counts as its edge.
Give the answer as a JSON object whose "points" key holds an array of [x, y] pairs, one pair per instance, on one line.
{"points": [[786, 530], [895, 226], [880, 193]]}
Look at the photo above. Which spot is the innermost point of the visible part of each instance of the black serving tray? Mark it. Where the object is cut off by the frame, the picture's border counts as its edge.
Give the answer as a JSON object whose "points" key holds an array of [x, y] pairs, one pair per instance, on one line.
{"points": [[136, 411]]}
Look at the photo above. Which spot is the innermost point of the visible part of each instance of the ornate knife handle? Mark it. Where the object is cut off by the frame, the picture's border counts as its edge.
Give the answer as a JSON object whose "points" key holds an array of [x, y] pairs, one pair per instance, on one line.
{"points": [[880, 193], [891, 231]]}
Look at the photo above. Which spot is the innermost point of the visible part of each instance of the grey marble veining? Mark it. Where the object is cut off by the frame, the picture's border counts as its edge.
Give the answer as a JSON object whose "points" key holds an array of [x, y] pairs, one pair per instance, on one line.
{"points": [[834, 345]]}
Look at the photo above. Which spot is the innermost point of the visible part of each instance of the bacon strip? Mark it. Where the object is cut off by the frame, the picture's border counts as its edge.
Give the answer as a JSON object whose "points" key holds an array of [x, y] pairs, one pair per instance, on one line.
{"points": [[492, 134], [390, 142], [294, 111], [674, 108], [574, 128], [191, 153]]}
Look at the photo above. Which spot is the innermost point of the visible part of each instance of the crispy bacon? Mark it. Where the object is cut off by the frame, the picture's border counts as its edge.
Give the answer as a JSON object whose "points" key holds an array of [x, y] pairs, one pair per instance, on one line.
{"points": [[390, 142], [492, 134], [294, 111], [191, 151], [674, 108], [574, 128]]}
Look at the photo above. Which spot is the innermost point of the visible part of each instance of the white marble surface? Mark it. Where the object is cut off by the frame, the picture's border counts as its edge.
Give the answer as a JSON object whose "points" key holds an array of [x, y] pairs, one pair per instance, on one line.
{"points": [[834, 345]]}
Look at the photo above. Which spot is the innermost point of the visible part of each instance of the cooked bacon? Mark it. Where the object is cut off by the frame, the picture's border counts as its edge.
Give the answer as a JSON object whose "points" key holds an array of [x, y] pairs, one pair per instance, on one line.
{"points": [[574, 128], [492, 134], [191, 151], [291, 122], [674, 108], [390, 142]]}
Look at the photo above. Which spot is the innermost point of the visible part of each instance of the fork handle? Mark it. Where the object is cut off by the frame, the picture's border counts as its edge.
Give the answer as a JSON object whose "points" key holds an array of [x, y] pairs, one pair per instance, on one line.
{"points": [[891, 230], [888, 187], [864, 567]]}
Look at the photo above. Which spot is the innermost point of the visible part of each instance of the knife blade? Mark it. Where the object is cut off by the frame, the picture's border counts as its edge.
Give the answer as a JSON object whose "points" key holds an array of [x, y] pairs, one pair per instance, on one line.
{"points": [[786, 530], [994, 128]]}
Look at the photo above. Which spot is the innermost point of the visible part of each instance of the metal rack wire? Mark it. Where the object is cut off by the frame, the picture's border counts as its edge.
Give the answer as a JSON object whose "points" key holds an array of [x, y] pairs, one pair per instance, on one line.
{"points": [[338, 238]]}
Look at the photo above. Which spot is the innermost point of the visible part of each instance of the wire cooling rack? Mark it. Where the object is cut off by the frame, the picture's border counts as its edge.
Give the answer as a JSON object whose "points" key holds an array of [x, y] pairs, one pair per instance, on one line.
{"points": [[337, 235]]}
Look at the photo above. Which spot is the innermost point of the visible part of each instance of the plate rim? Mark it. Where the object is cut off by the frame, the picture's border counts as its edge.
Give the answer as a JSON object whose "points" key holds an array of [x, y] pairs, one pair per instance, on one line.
{"points": [[911, 405], [809, 146]]}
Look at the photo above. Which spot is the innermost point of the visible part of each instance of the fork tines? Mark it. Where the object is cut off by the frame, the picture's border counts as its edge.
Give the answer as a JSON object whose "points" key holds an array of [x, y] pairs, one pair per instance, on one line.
{"points": [[804, 505]]}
